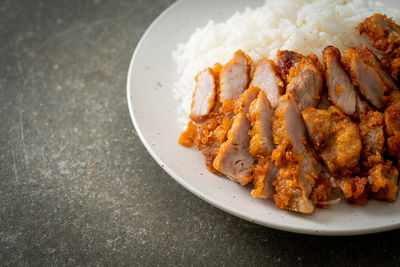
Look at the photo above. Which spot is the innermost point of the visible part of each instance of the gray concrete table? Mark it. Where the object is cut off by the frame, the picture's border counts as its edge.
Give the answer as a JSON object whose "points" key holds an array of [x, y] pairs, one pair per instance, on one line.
{"points": [[77, 187]]}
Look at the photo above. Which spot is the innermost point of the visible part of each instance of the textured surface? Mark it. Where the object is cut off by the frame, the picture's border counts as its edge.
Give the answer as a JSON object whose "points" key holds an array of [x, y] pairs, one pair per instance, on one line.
{"points": [[77, 185]]}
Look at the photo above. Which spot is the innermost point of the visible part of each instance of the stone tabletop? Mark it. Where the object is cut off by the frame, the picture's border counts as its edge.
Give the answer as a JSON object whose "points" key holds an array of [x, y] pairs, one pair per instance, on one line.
{"points": [[77, 187]]}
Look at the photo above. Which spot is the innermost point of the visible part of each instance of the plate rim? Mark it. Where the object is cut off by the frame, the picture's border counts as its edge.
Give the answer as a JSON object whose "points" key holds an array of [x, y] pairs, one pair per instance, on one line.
{"points": [[209, 199]]}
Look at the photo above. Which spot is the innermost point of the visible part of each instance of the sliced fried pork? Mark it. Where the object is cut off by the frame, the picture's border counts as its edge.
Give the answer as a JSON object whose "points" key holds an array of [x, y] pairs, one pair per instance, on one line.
{"points": [[324, 102], [188, 136], [286, 60], [211, 135], [260, 114], [298, 165], [305, 82], [392, 128], [354, 189], [384, 34], [369, 58], [392, 119], [265, 173], [392, 98], [233, 158], [204, 96], [368, 80], [267, 78], [261, 146], [336, 139], [383, 177], [372, 138], [341, 90], [235, 76], [362, 106]]}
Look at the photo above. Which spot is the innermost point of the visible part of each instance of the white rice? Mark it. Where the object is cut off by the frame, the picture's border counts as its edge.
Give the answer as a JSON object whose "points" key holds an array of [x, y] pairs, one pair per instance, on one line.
{"points": [[304, 26]]}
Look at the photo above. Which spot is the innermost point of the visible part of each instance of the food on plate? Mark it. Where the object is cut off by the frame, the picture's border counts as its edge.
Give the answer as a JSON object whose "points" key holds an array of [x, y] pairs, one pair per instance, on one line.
{"points": [[341, 90], [297, 162], [336, 139], [204, 96], [261, 146], [267, 78], [367, 79], [304, 126], [304, 82], [385, 36], [233, 158], [235, 76]]}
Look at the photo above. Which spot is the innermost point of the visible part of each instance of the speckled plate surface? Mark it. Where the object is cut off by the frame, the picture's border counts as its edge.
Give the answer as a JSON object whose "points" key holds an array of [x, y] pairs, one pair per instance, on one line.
{"points": [[152, 106]]}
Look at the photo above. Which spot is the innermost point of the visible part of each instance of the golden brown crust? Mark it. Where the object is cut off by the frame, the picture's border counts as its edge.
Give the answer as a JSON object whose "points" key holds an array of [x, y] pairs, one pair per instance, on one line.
{"points": [[285, 61], [354, 189], [335, 138], [188, 137], [373, 139], [384, 34], [383, 178]]}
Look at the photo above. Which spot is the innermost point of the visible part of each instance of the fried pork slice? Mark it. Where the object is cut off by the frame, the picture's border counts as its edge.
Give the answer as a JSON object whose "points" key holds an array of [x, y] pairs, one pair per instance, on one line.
{"points": [[233, 157], [204, 96], [369, 58], [383, 177], [298, 164], [261, 146], [305, 82], [235, 76], [362, 106], [336, 139], [354, 189], [341, 90], [213, 133], [264, 174], [393, 98], [372, 139], [382, 31], [394, 68], [393, 147], [267, 78], [392, 128], [260, 114], [324, 102], [392, 119], [188, 136], [384, 34], [368, 80], [286, 60]]}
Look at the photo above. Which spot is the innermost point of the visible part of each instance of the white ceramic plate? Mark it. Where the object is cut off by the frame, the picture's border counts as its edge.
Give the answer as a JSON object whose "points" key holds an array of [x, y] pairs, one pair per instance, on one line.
{"points": [[153, 109]]}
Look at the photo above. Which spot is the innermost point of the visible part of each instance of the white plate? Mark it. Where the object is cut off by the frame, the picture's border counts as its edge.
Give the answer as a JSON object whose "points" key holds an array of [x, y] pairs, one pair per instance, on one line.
{"points": [[153, 109]]}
